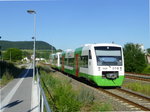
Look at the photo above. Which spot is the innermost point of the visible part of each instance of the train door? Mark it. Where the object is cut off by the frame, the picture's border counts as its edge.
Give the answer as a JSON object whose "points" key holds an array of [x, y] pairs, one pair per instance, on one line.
{"points": [[63, 62], [77, 64], [89, 62]]}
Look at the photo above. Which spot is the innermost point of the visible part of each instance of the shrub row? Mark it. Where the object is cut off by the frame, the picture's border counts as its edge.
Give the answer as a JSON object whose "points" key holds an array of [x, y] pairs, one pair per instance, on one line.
{"points": [[66, 99], [8, 71]]}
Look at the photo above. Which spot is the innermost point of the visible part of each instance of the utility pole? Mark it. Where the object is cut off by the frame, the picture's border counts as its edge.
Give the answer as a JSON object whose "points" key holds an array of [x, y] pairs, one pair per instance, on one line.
{"points": [[10, 56], [34, 39]]}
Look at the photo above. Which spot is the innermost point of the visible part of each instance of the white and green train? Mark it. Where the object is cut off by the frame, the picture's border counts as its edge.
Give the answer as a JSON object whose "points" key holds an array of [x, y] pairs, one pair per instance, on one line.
{"points": [[102, 64]]}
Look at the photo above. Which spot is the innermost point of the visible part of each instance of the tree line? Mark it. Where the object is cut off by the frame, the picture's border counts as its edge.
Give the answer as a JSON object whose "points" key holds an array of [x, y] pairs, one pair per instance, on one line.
{"points": [[40, 45], [134, 56]]}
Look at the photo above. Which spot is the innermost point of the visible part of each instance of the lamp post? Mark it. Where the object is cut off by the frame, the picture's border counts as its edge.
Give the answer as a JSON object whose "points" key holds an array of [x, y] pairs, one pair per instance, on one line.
{"points": [[34, 39], [0, 51]]}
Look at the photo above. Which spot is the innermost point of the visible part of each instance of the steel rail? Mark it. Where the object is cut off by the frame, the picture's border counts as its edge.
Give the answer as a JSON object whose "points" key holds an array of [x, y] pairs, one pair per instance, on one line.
{"points": [[129, 92], [137, 74], [122, 99], [138, 78], [125, 100]]}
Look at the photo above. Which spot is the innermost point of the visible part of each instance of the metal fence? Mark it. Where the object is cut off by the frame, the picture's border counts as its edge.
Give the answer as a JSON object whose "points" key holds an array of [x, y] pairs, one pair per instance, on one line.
{"points": [[41, 96]]}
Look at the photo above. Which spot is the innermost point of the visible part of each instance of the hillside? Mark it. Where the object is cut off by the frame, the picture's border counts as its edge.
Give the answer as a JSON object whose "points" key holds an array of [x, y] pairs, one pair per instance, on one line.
{"points": [[40, 45]]}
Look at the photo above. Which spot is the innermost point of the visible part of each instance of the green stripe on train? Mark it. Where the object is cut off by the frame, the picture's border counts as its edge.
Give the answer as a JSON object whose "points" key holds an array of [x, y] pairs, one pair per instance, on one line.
{"points": [[103, 81], [78, 50], [98, 79], [69, 71]]}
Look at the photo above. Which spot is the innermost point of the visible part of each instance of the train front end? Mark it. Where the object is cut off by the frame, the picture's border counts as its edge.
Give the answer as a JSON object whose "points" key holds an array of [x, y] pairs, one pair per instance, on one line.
{"points": [[109, 65]]}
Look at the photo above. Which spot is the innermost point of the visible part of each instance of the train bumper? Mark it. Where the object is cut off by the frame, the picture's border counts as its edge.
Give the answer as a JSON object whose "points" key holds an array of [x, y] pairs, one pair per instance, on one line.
{"points": [[100, 81], [108, 82]]}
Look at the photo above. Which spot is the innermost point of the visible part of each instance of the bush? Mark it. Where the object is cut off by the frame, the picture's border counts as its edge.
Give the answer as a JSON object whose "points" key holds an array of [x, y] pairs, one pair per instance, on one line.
{"points": [[134, 58], [13, 53], [85, 96], [8, 72], [6, 78], [146, 70], [64, 98]]}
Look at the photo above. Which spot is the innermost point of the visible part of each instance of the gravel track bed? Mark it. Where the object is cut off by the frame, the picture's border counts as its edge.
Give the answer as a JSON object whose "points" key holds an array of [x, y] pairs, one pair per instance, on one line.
{"points": [[136, 99], [127, 80], [140, 76]]}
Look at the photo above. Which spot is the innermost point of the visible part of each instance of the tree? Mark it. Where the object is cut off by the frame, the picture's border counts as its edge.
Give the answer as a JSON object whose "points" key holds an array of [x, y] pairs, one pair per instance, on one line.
{"points": [[148, 50], [26, 54], [59, 50], [43, 54], [134, 58], [13, 53]]}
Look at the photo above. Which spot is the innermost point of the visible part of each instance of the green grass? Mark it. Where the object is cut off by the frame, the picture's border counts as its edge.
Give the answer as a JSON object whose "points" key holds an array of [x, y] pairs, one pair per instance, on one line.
{"points": [[63, 96], [143, 88], [8, 72], [66, 99], [102, 107], [85, 96], [6, 78], [146, 70]]}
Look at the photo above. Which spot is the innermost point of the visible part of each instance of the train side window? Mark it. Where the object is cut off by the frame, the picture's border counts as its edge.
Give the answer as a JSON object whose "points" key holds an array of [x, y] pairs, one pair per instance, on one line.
{"points": [[61, 60], [70, 62], [90, 55], [66, 61], [84, 61]]}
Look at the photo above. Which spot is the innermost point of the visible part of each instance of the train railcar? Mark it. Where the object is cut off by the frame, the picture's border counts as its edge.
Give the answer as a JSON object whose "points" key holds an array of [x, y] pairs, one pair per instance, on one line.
{"points": [[55, 60], [68, 61], [101, 63]]}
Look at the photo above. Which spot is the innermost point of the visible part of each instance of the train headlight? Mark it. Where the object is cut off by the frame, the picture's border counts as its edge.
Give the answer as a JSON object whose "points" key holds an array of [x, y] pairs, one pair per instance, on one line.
{"points": [[111, 76]]}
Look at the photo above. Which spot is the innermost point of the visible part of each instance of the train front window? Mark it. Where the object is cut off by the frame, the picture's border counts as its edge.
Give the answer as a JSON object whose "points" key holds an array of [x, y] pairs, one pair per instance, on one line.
{"points": [[108, 56]]}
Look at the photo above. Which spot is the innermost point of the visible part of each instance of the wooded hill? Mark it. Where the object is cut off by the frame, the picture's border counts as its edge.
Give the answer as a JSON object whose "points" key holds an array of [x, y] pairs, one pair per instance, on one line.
{"points": [[40, 45]]}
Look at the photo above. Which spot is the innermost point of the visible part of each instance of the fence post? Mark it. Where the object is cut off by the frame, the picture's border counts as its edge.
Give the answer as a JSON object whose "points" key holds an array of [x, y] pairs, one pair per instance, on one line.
{"points": [[39, 91], [42, 106], [41, 96]]}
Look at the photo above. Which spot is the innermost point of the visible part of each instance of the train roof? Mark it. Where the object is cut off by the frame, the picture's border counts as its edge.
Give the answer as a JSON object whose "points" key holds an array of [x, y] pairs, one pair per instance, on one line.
{"points": [[87, 46], [101, 44]]}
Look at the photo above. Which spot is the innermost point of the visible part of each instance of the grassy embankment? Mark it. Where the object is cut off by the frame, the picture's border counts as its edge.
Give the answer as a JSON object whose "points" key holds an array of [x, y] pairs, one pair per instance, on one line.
{"points": [[143, 88], [146, 70], [138, 86], [8, 72], [65, 98]]}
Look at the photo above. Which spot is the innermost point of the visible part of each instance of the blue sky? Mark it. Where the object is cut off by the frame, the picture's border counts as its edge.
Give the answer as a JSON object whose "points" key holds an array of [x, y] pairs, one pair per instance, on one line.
{"points": [[72, 23]]}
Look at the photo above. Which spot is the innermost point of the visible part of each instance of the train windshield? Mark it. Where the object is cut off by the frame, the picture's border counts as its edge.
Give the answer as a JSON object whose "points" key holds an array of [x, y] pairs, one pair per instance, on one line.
{"points": [[108, 56]]}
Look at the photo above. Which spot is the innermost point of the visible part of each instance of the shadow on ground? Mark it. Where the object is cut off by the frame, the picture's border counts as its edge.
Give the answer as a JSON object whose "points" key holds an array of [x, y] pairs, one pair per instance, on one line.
{"points": [[12, 104]]}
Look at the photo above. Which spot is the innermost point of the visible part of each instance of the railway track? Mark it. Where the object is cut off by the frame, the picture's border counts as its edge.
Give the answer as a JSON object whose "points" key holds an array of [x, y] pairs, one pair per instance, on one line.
{"points": [[137, 74], [134, 101], [131, 100], [142, 77]]}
